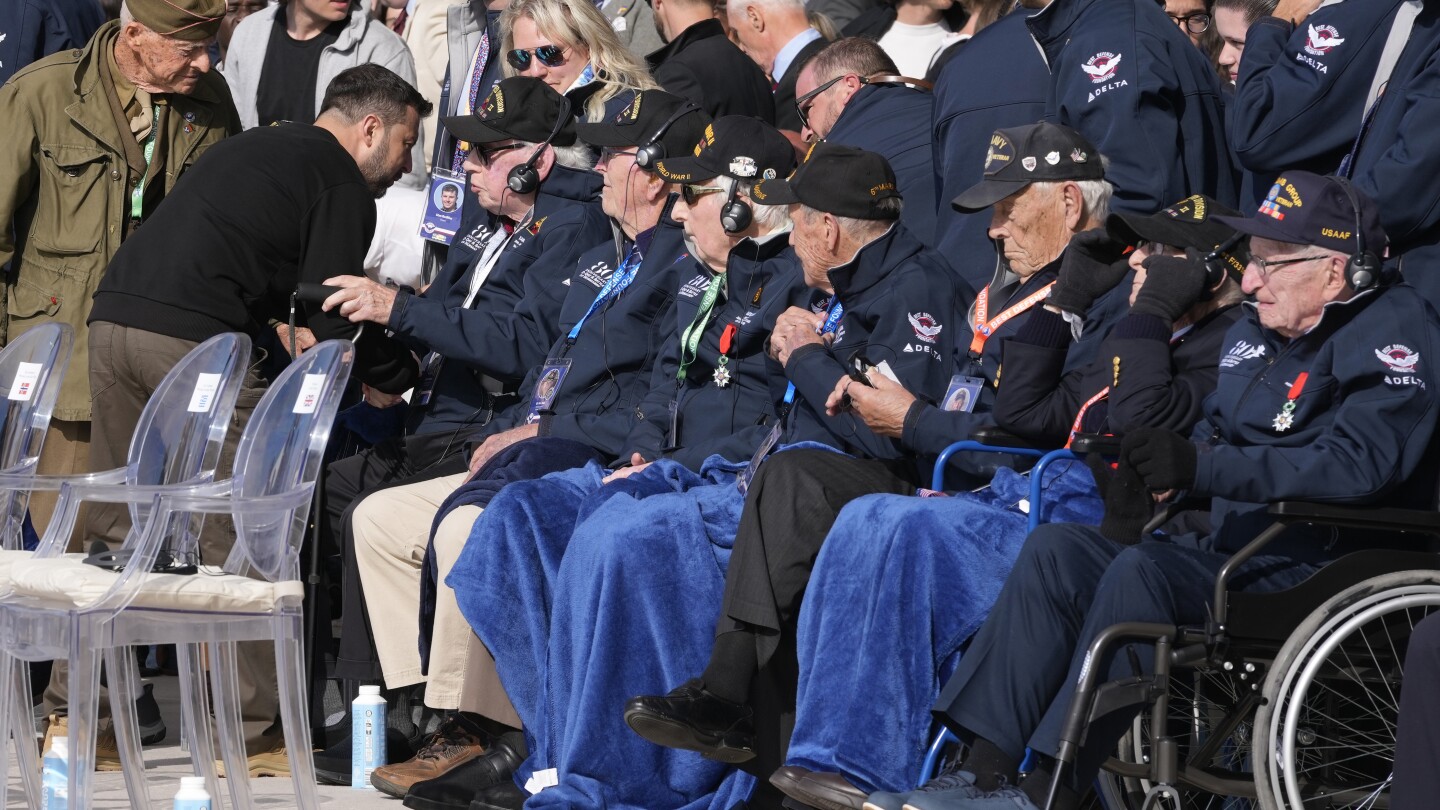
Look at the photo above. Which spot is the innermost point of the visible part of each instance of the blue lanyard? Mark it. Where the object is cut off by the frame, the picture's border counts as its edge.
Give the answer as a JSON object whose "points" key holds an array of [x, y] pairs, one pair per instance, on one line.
{"points": [[832, 319], [615, 285]]}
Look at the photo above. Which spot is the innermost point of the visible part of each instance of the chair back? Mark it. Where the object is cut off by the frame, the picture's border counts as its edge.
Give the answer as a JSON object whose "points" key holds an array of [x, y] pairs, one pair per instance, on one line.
{"points": [[32, 367], [178, 437], [279, 459]]}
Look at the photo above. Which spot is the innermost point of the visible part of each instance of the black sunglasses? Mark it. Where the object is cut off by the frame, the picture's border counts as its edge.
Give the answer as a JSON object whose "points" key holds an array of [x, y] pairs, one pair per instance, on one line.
{"points": [[549, 56], [488, 153], [805, 102]]}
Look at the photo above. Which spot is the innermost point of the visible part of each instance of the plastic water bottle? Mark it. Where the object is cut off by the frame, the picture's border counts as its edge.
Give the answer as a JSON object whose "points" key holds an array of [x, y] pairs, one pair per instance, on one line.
{"points": [[367, 740], [55, 776], [192, 794]]}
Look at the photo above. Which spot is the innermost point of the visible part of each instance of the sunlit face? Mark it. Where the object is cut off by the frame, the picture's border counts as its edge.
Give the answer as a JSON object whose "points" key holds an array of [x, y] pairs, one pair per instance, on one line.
{"points": [[821, 110], [235, 11], [327, 10], [527, 37], [744, 35], [622, 192], [810, 238], [389, 158], [703, 228], [1230, 25], [167, 64], [488, 167], [1031, 224], [1291, 298]]}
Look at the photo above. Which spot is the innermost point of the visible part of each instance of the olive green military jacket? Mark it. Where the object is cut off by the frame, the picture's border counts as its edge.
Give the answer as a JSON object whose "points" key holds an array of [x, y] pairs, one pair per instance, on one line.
{"points": [[65, 189]]}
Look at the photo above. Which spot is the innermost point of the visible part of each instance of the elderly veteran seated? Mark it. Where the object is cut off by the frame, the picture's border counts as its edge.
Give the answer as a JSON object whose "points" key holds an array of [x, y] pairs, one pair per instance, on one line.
{"points": [[1322, 396]]}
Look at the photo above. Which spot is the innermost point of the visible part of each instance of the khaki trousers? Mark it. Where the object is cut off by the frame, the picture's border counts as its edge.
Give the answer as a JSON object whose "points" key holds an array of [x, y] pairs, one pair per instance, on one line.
{"points": [[126, 366], [391, 529], [66, 452]]}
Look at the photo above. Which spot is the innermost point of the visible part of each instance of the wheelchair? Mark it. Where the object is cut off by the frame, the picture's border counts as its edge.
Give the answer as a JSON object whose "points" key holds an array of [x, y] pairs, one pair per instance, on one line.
{"points": [[1285, 700]]}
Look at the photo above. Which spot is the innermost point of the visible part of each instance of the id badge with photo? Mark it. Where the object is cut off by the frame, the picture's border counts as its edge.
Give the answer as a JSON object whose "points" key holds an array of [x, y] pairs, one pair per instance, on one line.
{"points": [[429, 373], [444, 201], [551, 378], [742, 481], [962, 394]]}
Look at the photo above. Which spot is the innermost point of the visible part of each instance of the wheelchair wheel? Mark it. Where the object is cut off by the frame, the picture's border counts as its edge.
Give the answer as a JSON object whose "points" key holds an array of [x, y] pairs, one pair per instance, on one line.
{"points": [[1201, 702], [1326, 738]]}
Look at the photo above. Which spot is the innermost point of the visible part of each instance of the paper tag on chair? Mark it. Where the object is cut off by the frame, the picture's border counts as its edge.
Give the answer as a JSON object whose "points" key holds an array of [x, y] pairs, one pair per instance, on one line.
{"points": [[25, 377], [309, 396], [204, 397], [538, 781]]}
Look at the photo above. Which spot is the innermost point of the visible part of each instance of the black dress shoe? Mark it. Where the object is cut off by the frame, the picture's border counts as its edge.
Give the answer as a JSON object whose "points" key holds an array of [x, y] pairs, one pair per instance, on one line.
{"points": [[827, 791], [332, 766], [461, 784], [692, 719], [505, 796]]}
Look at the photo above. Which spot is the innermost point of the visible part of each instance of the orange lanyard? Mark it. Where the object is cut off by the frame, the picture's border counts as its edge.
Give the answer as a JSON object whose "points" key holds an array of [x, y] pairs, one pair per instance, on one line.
{"points": [[984, 329], [1080, 417]]}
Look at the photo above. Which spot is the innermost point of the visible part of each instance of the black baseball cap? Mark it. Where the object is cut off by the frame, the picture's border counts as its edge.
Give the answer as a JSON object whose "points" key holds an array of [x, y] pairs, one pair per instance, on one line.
{"points": [[669, 120], [736, 146], [1308, 209], [521, 107], [839, 180], [1020, 156], [1194, 222]]}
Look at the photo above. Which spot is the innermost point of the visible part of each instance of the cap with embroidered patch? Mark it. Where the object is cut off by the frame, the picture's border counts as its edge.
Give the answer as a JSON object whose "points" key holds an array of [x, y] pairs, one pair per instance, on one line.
{"points": [[522, 108], [839, 180], [1194, 222], [737, 146], [673, 122], [1308, 209], [1020, 156]]}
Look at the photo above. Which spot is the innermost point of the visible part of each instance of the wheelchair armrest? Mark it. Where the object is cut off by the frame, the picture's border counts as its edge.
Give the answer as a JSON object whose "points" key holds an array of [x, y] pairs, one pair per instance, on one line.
{"points": [[1106, 444], [996, 437], [1358, 517]]}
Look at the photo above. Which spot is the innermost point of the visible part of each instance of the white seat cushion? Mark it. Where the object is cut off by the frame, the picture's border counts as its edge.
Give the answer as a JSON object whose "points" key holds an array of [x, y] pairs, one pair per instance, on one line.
{"points": [[7, 557], [70, 583]]}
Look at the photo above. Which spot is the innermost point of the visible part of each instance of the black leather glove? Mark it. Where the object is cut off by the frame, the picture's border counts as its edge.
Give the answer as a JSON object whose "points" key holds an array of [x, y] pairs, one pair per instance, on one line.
{"points": [[1090, 268], [1128, 505], [1172, 285], [1163, 459]]}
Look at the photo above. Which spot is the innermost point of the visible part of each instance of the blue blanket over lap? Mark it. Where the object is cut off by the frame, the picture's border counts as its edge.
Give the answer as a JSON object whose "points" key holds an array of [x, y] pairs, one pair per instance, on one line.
{"points": [[522, 461], [899, 585]]}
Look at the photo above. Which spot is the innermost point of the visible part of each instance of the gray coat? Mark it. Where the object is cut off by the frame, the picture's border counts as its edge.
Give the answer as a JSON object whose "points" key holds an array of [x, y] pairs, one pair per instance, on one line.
{"points": [[362, 42], [634, 24]]}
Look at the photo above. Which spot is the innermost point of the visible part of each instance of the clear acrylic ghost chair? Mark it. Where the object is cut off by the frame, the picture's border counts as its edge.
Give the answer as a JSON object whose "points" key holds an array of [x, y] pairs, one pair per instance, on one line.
{"points": [[175, 447], [268, 497], [32, 367]]}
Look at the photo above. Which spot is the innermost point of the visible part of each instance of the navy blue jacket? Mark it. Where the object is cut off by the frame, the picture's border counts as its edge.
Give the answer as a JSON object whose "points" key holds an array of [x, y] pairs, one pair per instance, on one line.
{"points": [[1297, 106], [893, 121], [515, 317], [762, 279], [890, 286], [1364, 424], [612, 357], [974, 97], [34, 29], [1152, 381], [1400, 157], [1125, 76]]}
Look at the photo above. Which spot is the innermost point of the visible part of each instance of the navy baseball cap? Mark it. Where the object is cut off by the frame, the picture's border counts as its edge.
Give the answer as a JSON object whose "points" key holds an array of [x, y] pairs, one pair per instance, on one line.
{"points": [[1020, 156], [1308, 209], [521, 107], [736, 146], [1194, 222], [839, 180], [674, 122]]}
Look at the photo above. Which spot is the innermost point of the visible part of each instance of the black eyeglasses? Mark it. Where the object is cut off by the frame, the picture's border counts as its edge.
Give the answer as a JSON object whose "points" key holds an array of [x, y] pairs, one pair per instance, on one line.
{"points": [[805, 102], [1266, 267], [549, 56], [488, 153], [1197, 22], [692, 194]]}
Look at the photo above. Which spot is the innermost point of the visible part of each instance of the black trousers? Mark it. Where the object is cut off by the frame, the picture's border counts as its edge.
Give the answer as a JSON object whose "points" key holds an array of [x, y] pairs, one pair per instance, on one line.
{"points": [[790, 507], [393, 463], [1417, 742]]}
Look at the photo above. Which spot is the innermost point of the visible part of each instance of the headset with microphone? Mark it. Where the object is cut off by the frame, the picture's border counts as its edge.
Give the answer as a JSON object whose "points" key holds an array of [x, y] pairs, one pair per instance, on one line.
{"points": [[525, 178], [654, 151]]}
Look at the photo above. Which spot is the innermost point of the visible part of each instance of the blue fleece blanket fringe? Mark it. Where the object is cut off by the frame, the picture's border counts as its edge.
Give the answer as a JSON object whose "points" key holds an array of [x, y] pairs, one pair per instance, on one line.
{"points": [[899, 585]]}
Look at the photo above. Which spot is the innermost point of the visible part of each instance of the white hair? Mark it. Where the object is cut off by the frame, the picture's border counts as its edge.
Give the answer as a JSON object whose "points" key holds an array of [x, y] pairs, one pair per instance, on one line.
{"points": [[770, 218], [1094, 194]]}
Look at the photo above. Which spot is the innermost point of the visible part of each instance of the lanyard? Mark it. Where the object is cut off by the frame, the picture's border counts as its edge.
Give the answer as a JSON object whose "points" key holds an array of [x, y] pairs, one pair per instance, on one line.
{"points": [[1080, 416], [616, 284], [494, 246], [137, 197], [832, 319], [690, 338], [482, 57], [984, 329]]}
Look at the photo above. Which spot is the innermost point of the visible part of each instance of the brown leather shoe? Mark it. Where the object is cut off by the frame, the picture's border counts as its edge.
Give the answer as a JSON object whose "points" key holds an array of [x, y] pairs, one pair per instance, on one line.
{"points": [[452, 744], [827, 791]]}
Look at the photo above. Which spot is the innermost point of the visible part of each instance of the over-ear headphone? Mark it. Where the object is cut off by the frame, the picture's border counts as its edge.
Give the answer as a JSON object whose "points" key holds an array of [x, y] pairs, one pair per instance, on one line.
{"points": [[653, 151], [1363, 270], [737, 214], [1229, 256], [525, 178]]}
